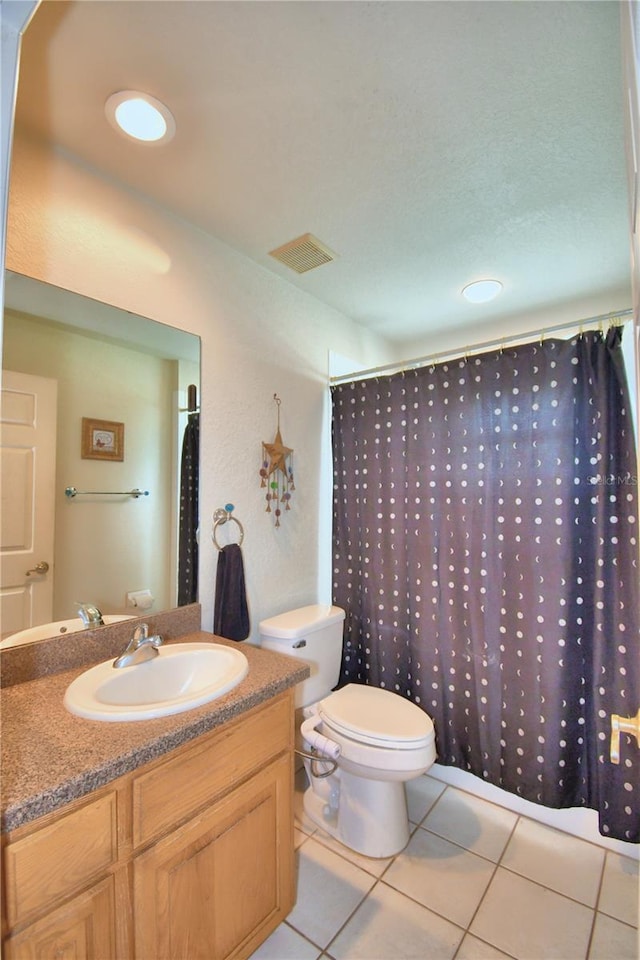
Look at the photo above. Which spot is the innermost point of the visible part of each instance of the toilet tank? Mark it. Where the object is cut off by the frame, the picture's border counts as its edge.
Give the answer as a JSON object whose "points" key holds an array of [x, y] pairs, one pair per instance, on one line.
{"points": [[312, 634]]}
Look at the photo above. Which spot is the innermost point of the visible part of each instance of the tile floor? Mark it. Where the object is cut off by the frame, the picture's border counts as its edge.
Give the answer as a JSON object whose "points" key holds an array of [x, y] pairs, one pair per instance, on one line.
{"points": [[475, 882]]}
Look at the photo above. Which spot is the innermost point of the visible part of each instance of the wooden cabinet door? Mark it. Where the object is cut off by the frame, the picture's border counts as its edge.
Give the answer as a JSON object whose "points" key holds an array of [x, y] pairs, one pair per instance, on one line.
{"points": [[217, 886], [83, 929]]}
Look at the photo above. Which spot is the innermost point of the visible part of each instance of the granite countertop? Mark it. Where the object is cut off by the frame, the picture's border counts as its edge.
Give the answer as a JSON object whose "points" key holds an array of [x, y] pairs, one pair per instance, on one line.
{"points": [[50, 757]]}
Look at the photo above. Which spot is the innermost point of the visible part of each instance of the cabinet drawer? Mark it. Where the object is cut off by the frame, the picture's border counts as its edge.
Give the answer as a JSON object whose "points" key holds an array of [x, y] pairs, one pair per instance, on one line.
{"points": [[176, 789], [50, 864]]}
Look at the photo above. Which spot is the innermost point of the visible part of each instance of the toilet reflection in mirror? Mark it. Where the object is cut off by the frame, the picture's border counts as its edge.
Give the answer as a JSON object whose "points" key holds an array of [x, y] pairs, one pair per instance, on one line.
{"points": [[68, 357]]}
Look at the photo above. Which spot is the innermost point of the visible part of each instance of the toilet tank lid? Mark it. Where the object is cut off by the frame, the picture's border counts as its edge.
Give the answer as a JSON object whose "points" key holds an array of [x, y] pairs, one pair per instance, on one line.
{"points": [[295, 623]]}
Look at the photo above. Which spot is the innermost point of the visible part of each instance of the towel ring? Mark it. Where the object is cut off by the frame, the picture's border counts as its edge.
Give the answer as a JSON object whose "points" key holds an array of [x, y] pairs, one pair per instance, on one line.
{"points": [[221, 516]]}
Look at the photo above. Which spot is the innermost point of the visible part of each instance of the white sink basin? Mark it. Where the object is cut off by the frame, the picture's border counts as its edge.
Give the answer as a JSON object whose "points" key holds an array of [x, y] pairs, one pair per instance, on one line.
{"points": [[182, 676], [59, 627]]}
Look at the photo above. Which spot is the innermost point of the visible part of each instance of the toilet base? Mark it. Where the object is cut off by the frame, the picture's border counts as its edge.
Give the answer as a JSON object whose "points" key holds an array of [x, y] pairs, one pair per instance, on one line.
{"points": [[368, 816]]}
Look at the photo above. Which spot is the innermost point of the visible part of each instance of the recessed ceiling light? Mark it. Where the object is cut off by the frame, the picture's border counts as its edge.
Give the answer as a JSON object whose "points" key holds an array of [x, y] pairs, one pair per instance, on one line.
{"points": [[481, 291], [140, 116]]}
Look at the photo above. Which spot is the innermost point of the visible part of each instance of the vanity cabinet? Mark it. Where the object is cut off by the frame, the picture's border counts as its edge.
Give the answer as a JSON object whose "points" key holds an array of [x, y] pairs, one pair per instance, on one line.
{"points": [[189, 857]]}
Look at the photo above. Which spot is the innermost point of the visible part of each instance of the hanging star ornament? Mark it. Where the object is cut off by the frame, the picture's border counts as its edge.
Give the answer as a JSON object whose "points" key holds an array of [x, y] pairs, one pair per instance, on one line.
{"points": [[277, 472], [277, 453]]}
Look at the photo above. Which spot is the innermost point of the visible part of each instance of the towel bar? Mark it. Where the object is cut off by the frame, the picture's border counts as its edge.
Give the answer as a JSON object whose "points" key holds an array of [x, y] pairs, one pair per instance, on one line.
{"points": [[71, 492], [222, 515]]}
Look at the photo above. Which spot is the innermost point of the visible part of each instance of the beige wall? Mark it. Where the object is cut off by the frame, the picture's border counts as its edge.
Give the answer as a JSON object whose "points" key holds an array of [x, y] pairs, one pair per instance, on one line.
{"points": [[108, 382], [260, 336]]}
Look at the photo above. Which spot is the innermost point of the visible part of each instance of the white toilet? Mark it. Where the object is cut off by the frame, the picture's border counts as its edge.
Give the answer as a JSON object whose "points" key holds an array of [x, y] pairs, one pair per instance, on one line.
{"points": [[377, 739]]}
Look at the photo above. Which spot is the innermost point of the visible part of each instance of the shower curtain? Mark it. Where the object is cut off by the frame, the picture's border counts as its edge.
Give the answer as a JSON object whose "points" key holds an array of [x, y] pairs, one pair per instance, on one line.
{"points": [[188, 533], [485, 552]]}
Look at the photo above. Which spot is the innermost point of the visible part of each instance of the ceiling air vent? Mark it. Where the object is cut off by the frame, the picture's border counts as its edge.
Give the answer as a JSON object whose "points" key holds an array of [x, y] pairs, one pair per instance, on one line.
{"points": [[304, 253]]}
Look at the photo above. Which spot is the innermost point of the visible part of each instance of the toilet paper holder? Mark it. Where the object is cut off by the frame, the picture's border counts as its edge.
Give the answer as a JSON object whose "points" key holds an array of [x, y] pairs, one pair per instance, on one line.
{"points": [[620, 725]]}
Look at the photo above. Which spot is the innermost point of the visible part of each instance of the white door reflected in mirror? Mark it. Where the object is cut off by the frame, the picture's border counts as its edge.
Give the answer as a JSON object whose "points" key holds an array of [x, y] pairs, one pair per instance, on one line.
{"points": [[28, 467]]}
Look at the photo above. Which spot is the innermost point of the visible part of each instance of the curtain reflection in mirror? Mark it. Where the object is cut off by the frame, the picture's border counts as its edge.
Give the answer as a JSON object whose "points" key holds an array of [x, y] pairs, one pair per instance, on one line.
{"points": [[188, 536]]}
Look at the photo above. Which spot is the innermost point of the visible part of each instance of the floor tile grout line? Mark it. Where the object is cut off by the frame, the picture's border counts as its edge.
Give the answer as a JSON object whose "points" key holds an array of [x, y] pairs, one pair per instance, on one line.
{"points": [[347, 859], [488, 943], [480, 902], [520, 819], [429, 909], [549, 889], [334, 846], [464, 929], [517, 873], [324, 951], [351, 915], [494, 863], [461, 846], [385, 883], [525, 816], [601, 884], [304, 936], [625, 923], [379, 880], [497, 865]]}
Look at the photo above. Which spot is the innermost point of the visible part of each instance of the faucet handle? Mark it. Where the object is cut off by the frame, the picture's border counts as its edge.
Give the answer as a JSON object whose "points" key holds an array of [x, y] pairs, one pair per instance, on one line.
{"points": [[141, 636], [140, 648]]}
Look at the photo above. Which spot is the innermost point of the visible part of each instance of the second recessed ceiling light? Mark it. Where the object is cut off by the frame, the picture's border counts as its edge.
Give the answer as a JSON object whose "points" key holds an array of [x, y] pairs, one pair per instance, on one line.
{"points": [[140, 116], [481, 291]]}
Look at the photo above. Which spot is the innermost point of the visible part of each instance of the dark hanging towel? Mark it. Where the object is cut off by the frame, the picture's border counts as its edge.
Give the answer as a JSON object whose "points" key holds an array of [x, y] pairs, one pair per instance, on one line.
{"points": [[231, 616], [188, 544]]}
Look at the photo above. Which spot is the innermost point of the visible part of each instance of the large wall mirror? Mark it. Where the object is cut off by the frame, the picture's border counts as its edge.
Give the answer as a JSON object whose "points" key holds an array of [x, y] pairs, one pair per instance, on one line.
{"points": [[106, 397]]}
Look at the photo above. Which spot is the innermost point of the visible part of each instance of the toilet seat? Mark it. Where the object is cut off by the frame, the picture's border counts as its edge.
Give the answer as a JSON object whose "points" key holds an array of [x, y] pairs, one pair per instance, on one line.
{"points": [[377, 717]]}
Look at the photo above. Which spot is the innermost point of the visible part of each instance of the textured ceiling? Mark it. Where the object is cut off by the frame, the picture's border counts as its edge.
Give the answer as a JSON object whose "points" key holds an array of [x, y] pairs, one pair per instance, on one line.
{"points": [[427, 144]]}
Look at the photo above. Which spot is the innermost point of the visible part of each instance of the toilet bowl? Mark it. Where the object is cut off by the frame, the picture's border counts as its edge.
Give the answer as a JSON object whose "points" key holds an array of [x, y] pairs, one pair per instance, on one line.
{"points": [[383, 742], [362, 743]]}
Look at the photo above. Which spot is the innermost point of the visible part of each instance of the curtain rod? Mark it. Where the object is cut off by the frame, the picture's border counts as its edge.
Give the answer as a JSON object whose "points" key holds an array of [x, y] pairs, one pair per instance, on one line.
{"points": [[622, 315]]}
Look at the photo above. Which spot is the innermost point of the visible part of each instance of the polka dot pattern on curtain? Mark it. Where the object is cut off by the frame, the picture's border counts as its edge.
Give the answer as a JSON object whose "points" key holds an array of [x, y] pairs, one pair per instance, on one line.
{"points": [[485, 550]]}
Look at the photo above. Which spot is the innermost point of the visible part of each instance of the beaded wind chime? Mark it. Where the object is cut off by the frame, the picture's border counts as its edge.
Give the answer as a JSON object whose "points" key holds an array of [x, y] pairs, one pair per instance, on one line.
{"points": [[277, 472]]}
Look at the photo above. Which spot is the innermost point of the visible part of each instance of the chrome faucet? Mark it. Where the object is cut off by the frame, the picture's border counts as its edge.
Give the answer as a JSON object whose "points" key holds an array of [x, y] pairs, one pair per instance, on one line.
{"points": [[90, 615], [141, 647]]}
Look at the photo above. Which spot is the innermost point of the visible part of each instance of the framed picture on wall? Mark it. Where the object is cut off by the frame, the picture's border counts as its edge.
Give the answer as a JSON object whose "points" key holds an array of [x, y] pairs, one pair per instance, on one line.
{"points": [[102, 439]]}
